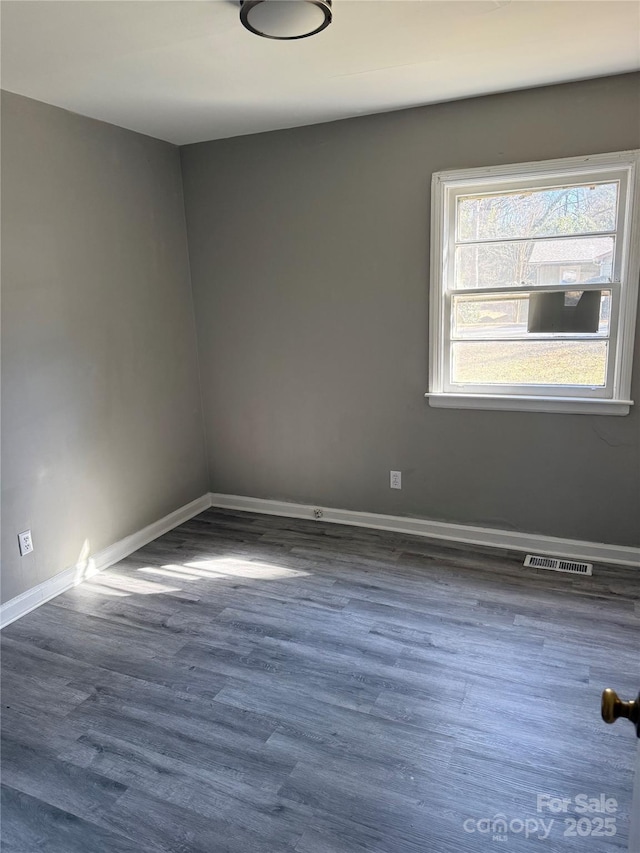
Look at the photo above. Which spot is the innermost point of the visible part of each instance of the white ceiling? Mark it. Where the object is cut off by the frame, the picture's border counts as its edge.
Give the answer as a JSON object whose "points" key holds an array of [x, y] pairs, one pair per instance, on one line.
{"points": [[187, 71]]}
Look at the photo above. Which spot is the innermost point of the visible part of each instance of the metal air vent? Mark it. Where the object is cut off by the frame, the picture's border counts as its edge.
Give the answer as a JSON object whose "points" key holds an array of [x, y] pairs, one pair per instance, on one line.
{"points": [[555, 564]]}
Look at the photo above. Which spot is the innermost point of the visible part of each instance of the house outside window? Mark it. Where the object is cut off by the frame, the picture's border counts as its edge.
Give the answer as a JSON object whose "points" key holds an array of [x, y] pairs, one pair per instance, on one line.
{"points": [[534, 285]]}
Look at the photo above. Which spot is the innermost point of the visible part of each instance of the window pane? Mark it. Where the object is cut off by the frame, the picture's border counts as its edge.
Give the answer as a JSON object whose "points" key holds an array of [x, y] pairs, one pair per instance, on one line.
{"points": [[566, 261], [548, 212], [529, 362], [497, 315]]}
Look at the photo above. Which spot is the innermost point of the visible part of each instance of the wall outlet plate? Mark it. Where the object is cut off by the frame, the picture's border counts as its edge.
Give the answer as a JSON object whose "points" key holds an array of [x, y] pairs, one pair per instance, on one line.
{"points": [[395, 479], [25, 543]]}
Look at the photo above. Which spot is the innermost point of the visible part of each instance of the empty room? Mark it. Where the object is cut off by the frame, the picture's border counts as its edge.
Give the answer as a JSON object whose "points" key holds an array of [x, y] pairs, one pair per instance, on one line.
{"points": [[320, 426]]}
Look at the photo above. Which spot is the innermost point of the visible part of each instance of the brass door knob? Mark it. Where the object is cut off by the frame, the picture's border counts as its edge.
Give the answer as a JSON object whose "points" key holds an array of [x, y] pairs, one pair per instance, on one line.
{"points": [[613, 707]]}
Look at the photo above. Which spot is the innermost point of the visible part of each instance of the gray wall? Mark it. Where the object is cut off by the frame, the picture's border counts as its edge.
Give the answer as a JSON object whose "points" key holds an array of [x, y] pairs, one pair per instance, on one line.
{"points": [[309, 254], [101, 417]]}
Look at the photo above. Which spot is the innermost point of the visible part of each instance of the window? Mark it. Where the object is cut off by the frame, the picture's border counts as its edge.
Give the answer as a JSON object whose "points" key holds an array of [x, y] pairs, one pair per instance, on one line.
{"points": [[534, 285]]}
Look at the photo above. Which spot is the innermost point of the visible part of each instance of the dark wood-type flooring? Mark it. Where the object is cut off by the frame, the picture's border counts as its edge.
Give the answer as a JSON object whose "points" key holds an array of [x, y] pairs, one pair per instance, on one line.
{"points": [[255, 684]]}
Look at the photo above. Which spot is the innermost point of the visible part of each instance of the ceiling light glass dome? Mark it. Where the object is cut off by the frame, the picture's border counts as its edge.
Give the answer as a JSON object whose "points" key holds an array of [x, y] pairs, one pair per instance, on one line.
{"points": [[285, 19]]}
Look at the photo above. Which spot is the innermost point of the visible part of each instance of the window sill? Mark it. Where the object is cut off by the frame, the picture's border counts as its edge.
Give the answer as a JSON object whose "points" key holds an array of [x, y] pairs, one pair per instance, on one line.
{"points": [[566, 405]]}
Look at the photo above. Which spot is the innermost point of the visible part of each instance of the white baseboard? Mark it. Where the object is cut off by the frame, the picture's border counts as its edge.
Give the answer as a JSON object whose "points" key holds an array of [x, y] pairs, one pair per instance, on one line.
{"points": [[526, 542], [37, 595], [596, 552]]}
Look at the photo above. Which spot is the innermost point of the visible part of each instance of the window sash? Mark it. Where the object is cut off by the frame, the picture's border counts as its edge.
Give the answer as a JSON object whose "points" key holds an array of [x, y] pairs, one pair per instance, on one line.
{"points": [[454, 191], [469, 293], [557, 390], [537, 389], [537, 187], [489, 240], [532, 266], [532, 288]]}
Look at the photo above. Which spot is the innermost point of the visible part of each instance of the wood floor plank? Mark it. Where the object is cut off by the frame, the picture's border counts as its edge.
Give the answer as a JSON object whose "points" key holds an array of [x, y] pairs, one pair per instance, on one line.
{"points": [[66, 786], [29, 825]]}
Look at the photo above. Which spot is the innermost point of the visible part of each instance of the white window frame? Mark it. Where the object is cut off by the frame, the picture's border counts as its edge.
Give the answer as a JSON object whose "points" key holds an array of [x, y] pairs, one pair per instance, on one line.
{"points": [[446, 187]]}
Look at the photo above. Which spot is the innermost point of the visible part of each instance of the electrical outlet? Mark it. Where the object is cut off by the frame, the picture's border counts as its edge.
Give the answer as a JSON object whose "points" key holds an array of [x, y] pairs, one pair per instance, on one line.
{"points": [[25, 543], [395, 479]]}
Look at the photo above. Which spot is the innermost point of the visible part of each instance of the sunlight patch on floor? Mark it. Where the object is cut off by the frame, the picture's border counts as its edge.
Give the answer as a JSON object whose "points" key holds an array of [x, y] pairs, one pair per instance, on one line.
{"points": [[168, 573], [109, 583], [118, 585], [108, 591], [234, 567]]}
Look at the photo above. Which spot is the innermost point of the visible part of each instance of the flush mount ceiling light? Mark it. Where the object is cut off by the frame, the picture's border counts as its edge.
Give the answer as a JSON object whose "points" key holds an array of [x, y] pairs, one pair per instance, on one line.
{"points": [[285, 19]]}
